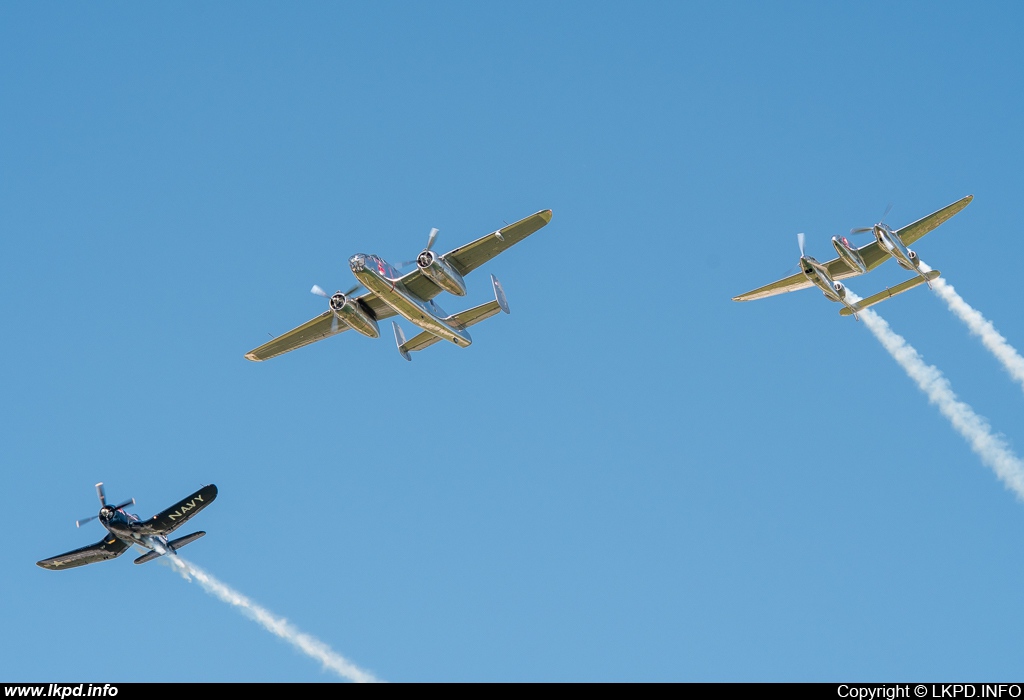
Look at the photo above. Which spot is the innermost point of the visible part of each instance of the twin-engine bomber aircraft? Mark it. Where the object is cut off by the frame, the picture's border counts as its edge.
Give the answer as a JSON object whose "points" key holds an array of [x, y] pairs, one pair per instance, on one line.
{"points": [[856, 261], [126, 529], [410, 295]]}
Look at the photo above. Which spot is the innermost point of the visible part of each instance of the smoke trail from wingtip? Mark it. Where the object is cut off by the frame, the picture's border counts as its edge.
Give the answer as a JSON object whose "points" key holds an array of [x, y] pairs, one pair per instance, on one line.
{"points": [[991, 448], [981, 327], [310, 646]]}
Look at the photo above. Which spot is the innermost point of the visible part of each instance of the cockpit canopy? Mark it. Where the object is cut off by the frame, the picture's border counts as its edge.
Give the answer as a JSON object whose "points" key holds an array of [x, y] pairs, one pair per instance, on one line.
{"points": [[362, 261]]}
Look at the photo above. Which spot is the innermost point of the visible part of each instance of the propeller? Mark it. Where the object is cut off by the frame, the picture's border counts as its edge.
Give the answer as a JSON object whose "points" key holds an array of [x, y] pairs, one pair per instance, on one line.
{"points": [[430, 244], [869, 229], [103, 502], [319, 291]]}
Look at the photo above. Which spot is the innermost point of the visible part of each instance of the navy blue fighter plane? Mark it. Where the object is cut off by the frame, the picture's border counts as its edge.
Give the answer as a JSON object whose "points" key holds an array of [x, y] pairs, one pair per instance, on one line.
{"points": [[125, 529]]}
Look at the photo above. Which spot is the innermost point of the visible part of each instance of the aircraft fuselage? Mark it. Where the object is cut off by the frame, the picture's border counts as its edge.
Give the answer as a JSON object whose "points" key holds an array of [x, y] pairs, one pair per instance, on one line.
{"points": [[125, 527], [383, 280]]}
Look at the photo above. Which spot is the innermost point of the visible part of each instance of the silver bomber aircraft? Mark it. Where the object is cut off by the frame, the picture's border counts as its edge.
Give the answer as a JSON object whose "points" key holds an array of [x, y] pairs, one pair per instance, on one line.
{"points": [[854, 261], [125, 529], [390, 293]]}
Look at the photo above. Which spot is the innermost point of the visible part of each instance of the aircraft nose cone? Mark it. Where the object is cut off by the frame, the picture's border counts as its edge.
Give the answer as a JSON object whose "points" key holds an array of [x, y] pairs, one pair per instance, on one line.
{"points": [[357, 262]]}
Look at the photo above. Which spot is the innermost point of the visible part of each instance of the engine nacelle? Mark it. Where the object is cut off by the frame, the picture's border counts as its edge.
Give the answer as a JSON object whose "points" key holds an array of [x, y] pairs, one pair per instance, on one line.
{"points": [[441, 273], [350, 312]]}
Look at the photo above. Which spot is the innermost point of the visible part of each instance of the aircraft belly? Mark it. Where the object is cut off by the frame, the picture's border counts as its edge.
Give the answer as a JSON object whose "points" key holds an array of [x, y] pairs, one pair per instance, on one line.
{"points": [[411, 309]]}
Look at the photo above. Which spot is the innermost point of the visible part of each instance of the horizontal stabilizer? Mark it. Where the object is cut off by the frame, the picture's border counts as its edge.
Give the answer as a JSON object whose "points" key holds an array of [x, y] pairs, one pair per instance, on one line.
{"points": [[148, 556], [464, 319], [187, 539], [887, 293], [174, 545]]}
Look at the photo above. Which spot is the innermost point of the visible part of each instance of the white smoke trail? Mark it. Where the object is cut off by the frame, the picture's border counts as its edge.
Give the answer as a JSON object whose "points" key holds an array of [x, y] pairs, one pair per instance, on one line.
{"points": [[981, 327], [991, 448], [278, 625]]}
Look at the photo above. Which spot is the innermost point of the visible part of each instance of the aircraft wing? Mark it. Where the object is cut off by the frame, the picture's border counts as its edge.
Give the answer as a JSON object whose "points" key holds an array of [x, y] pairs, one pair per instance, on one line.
{"points": [[109, 547], [913, 232], [172, 518], [467, 258], [787, 284], [872, 254], [314, 330]]}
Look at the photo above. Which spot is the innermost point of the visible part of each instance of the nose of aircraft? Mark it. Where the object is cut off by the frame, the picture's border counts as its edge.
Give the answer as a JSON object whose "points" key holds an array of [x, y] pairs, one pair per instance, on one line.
{"points": [[357, 262]]}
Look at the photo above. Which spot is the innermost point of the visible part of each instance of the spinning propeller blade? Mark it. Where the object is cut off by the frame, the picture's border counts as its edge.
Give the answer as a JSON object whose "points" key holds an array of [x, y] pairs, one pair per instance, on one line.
{"points": [[430, 244], [103, 502], [869, 229]]}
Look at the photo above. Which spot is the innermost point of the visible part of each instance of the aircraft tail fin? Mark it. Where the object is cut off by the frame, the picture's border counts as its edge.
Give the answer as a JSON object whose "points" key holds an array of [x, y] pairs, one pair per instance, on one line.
{"points": [[887, 293], [174, 545], [400, 340]]}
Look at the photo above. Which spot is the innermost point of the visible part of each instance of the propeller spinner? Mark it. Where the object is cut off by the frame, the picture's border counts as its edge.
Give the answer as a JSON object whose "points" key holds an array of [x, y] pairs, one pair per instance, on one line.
{"points": [[104, 506], [337, 301], [426, 251]]}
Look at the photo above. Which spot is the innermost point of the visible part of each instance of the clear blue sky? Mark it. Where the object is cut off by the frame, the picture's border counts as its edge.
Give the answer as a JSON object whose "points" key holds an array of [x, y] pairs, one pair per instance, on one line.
{"points": [[630, 478]]}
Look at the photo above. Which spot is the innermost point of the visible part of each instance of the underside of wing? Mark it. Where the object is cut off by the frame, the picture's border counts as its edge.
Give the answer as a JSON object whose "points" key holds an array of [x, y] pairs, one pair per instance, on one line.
{"points": [[788, 284], [109, 547], [467, 258], [419, 285], [309, 332], [323, 326], [872, 255], [170, 519], [913, 232]]}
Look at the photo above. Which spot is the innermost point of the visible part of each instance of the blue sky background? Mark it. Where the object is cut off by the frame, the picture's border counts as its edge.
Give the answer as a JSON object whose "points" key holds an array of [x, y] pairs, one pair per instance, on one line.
{"points": [[632, 477]]}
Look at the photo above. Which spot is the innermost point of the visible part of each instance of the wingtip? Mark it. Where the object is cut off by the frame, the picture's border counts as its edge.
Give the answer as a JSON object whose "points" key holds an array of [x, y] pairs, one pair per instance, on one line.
{"points": [[251, 356], [546, 215]]}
